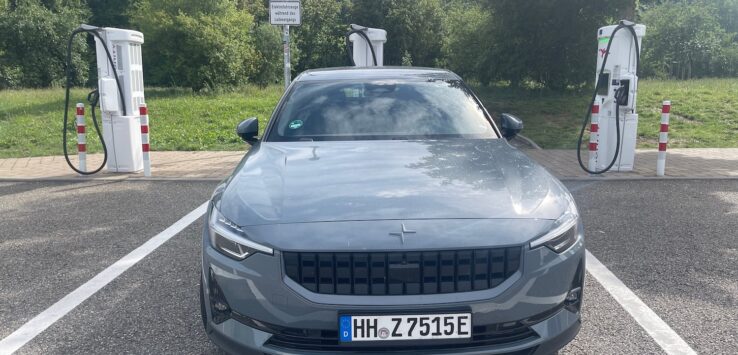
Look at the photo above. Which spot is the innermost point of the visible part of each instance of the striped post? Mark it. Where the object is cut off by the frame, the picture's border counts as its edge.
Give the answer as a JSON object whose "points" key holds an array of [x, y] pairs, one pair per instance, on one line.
{"points": [[143, 111], [663, 138], [81, 137], [594, 137]]}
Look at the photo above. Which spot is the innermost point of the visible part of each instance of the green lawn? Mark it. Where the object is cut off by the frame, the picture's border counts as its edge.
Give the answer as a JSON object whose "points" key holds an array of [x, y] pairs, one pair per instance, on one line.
{"points": [[31, 120], [704, 114]]}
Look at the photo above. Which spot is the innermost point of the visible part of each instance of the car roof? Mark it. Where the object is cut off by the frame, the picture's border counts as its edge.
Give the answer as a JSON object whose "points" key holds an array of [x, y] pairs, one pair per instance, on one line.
{"points": [[347, 73]]}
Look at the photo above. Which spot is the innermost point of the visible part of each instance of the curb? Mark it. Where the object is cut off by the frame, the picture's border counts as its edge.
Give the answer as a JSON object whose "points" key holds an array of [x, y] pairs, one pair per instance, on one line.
{"points": [[645, 178], [201, 179]]}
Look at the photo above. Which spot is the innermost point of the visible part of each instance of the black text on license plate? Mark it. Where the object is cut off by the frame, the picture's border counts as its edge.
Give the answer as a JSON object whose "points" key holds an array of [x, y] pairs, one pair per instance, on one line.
{"points": [[405, 327]]}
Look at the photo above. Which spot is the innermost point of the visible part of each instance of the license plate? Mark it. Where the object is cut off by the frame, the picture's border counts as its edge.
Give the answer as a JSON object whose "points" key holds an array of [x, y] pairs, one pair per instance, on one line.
{"points": [[405, 327]]}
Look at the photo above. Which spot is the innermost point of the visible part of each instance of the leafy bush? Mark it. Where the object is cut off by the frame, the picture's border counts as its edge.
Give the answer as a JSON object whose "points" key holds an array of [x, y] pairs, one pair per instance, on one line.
{"points": [[33, 44], [211, 43], [269, 61], [197, 44], [683, 40], [548, 42], [727, 11], [320, 38], [465, 34], [414, 28], [730, 60]]}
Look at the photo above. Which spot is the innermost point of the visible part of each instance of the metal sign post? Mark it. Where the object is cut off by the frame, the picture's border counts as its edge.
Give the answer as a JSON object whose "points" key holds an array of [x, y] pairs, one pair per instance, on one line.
{"points": [[285, 13], [286, 44]]}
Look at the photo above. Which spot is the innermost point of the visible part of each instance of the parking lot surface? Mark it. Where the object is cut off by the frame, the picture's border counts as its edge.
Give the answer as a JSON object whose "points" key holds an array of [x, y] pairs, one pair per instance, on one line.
{"points": [[673, 243]]}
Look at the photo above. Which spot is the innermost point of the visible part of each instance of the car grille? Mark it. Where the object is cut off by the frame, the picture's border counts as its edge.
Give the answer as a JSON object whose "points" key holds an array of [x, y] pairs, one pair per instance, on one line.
{"points": [[402, 273]]}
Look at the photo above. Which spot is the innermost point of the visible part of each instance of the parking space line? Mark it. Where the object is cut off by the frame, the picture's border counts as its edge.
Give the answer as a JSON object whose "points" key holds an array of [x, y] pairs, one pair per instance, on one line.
{"points": [[45, 319], [666, 337]]}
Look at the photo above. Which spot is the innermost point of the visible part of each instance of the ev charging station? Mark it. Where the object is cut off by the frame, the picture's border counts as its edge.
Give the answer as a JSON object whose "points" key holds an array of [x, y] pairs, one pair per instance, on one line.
{"points": [[121, 122], [619, 72], [612, 110], [367, 44], [120, 93]]}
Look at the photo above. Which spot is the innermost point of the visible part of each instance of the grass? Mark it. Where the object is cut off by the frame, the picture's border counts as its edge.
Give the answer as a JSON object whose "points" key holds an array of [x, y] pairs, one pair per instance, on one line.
{"points": [[550, 119], [704, 114], [31, 120]]}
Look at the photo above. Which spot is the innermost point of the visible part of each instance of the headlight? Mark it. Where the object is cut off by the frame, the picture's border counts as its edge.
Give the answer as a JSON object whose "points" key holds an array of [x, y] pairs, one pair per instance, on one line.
{"points": [[564, 233], [229, 239]]}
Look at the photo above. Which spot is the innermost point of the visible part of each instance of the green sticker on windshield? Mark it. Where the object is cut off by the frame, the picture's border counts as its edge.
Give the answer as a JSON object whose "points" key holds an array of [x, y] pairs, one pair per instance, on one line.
{"points": [[295, 124]]}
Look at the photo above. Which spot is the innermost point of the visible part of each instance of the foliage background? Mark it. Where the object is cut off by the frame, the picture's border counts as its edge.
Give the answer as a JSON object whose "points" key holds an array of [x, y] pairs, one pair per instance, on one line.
{"points": [[205, 44]]}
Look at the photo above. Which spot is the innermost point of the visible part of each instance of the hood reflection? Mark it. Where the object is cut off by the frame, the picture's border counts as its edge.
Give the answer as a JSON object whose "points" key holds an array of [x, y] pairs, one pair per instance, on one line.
{"points": [[296, 182]]}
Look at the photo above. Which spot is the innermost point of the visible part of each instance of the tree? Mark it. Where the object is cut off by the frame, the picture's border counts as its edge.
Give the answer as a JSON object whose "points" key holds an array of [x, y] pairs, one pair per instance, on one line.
{"points": [[628, 10], [33, 44], [546, 42], [109, 13], [414, 28], [727, 11], [258, 8], [370, 13], [199, 44], [320, 38], [268, 45], [465, 33], [683, 40]]}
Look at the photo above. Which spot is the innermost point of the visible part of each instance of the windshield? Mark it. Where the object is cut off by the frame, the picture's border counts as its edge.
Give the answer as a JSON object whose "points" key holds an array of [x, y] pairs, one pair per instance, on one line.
{"points": [[380, 109]]}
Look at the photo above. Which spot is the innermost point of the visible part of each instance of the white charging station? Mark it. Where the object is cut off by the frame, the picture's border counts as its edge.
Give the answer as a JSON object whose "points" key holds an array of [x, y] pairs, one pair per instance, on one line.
{"points": [[121, 122], [362, 54], [620, 70]]}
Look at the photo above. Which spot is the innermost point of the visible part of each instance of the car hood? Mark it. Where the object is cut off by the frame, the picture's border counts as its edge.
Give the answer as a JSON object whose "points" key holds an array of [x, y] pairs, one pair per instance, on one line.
{"points": [[308, 182]]}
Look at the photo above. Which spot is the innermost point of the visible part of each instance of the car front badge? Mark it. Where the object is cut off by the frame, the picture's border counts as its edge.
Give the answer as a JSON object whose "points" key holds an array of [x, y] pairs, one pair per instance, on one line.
{"points": [[402, 233]]}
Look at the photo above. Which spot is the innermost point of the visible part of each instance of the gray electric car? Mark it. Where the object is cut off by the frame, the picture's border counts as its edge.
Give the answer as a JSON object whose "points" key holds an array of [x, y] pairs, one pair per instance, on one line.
{"points": [[383, 210]]}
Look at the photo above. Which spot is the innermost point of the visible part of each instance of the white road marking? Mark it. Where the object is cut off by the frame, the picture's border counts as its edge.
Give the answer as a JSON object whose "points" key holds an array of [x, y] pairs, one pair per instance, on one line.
{"points": [[666, 337], [45, 319]]}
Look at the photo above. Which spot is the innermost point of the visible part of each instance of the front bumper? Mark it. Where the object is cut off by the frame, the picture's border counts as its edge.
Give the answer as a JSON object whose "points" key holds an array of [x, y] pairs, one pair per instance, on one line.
{"points": [[257, 290], [237, 338]]}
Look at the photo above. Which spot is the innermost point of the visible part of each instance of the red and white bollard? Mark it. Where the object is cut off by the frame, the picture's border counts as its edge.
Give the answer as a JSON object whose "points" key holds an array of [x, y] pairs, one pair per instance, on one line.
{"points": [[81, 137], [663, 138], [143, 111], [594, 137]]}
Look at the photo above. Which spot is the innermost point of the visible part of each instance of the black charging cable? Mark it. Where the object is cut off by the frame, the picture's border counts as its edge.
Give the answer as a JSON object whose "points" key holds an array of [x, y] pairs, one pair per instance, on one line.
{"points": [[349, 48], [93, 98], [620, 95]]}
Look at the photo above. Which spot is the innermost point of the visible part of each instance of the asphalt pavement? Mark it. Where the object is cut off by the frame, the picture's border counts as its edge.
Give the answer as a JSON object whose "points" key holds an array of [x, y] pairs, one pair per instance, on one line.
{"points": [[56, 236], [673, 243]]}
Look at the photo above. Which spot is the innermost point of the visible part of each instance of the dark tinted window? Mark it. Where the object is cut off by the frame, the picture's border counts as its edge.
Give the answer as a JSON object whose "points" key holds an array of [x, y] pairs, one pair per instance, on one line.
{"points": [[380, 109]]}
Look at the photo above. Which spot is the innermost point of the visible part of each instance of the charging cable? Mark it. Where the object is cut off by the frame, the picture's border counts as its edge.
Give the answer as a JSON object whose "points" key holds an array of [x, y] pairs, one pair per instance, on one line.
{"points": [[93, 97]]}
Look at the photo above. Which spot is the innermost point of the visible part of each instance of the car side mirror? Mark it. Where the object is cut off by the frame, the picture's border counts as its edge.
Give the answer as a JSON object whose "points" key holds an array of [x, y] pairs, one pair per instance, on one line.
{"points": [[248, 129], [511, 126]]}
